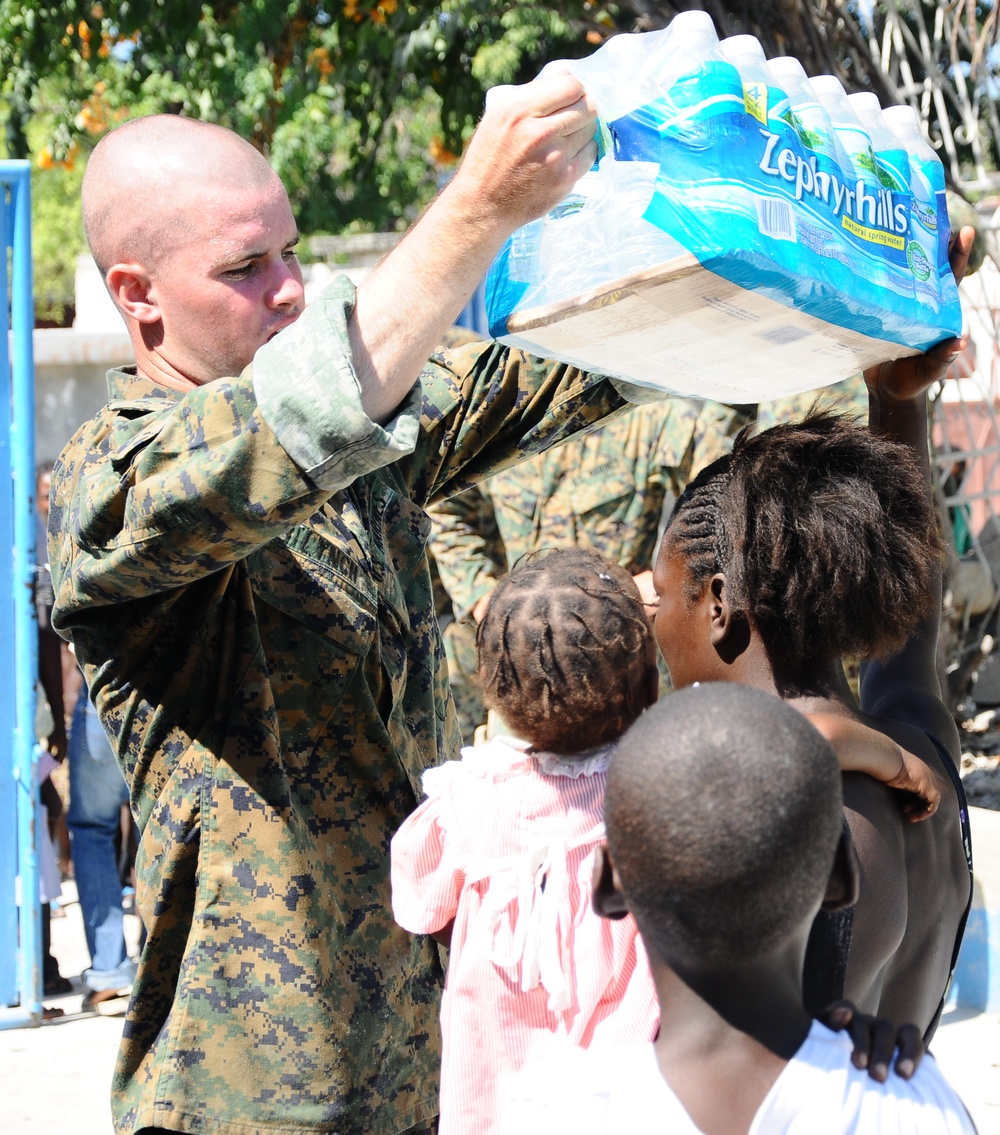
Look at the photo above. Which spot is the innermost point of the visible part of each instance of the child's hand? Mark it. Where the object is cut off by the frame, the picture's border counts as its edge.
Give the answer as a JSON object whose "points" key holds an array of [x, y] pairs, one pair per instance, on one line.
{"points": [[875, 1039], [924, 784], [905, 379]]}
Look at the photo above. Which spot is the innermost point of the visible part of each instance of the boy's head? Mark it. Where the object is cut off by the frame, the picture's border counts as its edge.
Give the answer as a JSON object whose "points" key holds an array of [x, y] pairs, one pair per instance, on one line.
{"points": [[724, 820], [566, 652]]}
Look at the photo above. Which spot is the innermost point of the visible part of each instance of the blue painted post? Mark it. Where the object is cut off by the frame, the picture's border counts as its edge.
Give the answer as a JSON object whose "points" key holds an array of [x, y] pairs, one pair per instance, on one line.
{"points": [[977, 975], [20, 934]]}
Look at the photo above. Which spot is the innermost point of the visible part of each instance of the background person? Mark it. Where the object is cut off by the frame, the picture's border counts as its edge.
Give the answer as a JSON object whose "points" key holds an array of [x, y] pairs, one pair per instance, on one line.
{"points": [[97, 791], [806, 543]]}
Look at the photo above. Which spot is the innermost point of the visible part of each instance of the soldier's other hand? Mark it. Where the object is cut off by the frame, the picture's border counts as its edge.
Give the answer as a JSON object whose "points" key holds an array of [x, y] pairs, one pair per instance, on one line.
{"points": [[479, 610], [650, 600], [905, 379], [875, 1040], [533, 143]]}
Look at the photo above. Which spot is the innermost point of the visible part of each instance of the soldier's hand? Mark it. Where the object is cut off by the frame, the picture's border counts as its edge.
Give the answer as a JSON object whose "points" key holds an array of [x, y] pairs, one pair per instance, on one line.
{"points": [[647, 592], [479, 610], [533, 143], [905, 379]]}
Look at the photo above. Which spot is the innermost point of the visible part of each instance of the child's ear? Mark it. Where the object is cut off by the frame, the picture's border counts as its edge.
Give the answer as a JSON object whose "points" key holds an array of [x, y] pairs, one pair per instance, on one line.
{"points": [[729, 629], [607, 898], [844, 885]]}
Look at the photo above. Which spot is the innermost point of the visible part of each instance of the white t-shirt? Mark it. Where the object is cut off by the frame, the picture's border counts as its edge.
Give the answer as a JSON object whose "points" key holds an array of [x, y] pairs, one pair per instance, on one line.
{"points": [[819, 1092]]}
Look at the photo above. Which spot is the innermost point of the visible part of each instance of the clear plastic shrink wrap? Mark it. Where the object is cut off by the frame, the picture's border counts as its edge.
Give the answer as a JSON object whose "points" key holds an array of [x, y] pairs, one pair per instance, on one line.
{"points": [[746, 233]]}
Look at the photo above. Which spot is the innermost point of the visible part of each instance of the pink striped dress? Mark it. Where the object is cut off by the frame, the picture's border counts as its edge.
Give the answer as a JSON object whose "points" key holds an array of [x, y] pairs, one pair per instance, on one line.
{"points": [[504, 844]]}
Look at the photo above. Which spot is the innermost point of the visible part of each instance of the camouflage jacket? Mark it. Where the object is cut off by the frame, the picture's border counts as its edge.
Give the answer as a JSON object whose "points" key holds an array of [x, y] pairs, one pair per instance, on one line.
{"points": [[241, 569], [605, 490], [847, 397]]}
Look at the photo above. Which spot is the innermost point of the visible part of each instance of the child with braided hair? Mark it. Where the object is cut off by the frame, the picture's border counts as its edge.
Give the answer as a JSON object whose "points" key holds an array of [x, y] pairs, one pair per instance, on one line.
{"points": [[811, 541], [498, 859]]}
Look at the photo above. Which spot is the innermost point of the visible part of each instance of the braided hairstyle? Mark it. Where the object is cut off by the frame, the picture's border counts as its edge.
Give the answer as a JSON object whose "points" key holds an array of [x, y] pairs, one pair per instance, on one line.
{"points": [[826, 535], [565, 651]]}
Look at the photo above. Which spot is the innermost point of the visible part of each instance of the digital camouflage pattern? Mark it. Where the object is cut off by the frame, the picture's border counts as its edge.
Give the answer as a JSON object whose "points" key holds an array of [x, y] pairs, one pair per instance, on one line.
{"points": [[466, 690], [241, 569], [606, 490], [847, 397], [459, 634]]}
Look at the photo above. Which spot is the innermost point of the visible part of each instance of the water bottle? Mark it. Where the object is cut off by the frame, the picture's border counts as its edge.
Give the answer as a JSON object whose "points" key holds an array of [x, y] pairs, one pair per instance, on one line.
{"points": [[702, 94], [928, 249], [851, 135], [806, 114], [761, 98], [893, 162], [892, 166]]}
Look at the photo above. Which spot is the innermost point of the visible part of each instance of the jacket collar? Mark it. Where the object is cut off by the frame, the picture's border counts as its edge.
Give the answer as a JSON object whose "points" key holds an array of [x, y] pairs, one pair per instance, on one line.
{"points": [[127, 389]]}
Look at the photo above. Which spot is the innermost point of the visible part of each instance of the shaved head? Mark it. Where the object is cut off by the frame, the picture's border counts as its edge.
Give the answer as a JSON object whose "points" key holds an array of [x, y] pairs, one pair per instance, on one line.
{"points": [[723, 811], [194, 235], [148, 182]]}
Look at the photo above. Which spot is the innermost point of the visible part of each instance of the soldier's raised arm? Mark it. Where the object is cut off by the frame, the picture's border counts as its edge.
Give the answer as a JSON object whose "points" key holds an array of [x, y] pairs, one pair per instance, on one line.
{"points": [[533, 143]]}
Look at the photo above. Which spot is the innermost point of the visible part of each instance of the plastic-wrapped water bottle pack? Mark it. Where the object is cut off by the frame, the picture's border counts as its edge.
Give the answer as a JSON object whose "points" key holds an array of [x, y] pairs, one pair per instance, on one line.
{"points": [[737, 209]]}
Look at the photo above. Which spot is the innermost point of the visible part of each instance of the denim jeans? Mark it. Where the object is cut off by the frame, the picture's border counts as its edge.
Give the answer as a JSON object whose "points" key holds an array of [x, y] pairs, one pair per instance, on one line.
{"points": [[96, 793]]}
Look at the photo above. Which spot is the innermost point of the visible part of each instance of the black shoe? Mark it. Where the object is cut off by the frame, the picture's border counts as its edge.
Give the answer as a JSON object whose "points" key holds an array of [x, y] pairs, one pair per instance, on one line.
{"points": [[57, 986]]}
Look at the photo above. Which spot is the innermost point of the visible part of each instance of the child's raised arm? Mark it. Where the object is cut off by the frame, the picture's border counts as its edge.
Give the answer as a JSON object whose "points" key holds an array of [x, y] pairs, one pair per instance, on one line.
{"points": [[860, 748], [906, 687]]}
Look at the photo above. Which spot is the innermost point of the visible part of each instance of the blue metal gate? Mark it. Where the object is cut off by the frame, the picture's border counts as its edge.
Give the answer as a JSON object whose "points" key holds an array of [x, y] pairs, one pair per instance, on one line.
{"points": [[20, 923]]}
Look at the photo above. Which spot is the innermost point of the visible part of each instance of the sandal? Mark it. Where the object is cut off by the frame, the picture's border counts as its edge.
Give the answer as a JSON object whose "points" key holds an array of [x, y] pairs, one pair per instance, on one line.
{"points": [[106, 1002]]}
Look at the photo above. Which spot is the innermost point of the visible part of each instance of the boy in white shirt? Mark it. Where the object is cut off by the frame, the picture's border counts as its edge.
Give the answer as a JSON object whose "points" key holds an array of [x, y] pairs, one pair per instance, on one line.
{"points": [[725, 835]]}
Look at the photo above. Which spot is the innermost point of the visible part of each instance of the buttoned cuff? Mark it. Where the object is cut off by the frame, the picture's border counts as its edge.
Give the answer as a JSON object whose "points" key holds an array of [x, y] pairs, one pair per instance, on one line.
{"points": [[308, 393]]}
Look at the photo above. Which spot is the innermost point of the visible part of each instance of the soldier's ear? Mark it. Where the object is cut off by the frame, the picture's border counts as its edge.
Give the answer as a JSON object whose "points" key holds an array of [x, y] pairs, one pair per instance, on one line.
{"points": [[132, 290]]}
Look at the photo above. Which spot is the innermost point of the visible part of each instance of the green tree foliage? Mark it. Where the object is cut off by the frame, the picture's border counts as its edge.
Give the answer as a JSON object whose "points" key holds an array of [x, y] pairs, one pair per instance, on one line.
{"points": [[364, 83], [57, 239], [362, 105], [57, 228], [359, 103]]}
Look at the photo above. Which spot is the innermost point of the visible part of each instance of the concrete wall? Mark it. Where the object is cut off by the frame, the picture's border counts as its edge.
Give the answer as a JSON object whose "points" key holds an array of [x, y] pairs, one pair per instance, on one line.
{"points": [[70, 386]]}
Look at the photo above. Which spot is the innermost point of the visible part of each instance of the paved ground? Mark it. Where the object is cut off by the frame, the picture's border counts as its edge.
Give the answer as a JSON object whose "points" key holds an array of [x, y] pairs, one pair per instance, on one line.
{"points": [[56, 1078]]}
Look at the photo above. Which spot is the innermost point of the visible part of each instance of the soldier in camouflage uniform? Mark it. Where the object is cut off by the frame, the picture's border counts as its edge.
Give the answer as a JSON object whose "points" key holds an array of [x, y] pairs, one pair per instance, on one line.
{"points": [[605, 491], [240, 564], [457, 634], [847, 397], [457, 631]]}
